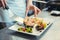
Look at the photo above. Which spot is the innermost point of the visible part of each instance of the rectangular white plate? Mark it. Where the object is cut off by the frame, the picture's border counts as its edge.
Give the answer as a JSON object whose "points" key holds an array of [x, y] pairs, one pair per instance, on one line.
{"points": [[15, 27]]}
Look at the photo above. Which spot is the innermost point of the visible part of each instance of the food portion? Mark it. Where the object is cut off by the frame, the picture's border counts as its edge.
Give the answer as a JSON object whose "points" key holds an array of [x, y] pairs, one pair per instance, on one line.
{"points": [[26, 29], [30, 23]]}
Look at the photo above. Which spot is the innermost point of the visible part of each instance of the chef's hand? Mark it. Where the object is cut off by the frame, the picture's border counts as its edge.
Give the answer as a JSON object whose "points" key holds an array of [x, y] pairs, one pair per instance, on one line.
{"points": [[2, 3], [34, 8]]}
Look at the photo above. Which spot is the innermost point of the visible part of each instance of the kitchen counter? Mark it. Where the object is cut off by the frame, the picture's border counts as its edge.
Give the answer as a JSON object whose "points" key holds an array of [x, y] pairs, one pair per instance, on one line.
{"points": [[53, 33]]}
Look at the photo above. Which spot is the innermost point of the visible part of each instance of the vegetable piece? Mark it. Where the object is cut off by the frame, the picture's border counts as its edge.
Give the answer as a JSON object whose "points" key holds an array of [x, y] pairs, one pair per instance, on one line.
{"points": [[19, 29], [29, 29], [23, 29], [39, 28], [44, 24]]}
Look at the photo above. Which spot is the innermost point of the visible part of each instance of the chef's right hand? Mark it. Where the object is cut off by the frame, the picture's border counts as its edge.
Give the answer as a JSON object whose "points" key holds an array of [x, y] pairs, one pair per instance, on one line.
{"points": [[2, 3]]}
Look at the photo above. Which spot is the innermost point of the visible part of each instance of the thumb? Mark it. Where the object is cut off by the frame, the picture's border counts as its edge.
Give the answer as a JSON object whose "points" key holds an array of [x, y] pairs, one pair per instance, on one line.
{"points": [[35, 10], [27, 10]]}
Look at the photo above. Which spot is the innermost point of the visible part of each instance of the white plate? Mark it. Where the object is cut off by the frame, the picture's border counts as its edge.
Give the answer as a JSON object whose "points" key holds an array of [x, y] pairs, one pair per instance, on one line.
{"points": [[35, 33]]}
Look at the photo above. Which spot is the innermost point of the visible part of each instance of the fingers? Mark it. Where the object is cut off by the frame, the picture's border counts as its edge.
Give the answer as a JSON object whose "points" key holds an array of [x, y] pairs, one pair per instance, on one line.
{"points": [[3, 3], [34, 8], [0, 3], [27, 10], [38, 10], [35, 14]]}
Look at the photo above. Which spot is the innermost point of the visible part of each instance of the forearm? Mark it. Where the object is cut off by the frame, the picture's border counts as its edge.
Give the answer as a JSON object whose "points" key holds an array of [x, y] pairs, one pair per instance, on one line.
{"points": [[29, 2]]}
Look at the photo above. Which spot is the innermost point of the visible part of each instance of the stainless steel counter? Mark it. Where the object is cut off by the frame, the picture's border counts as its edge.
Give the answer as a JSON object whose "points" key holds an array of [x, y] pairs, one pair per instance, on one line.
{"points": [[53, 33]]}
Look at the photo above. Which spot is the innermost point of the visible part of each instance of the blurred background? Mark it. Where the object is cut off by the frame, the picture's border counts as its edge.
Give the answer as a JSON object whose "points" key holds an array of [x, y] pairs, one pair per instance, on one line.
{"points": [[48, 4]]}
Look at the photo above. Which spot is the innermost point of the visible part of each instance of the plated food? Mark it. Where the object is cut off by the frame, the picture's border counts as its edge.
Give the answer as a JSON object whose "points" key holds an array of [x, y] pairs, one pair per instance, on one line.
{"points": [[30, 24]]}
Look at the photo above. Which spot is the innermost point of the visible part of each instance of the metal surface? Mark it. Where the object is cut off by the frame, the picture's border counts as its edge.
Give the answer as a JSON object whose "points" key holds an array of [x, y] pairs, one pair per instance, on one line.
{"points": [[52, 34]]}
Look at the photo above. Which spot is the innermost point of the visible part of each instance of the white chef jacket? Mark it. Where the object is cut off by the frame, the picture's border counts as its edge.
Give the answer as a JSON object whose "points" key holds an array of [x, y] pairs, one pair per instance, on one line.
{"points": [[17, 7]]}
